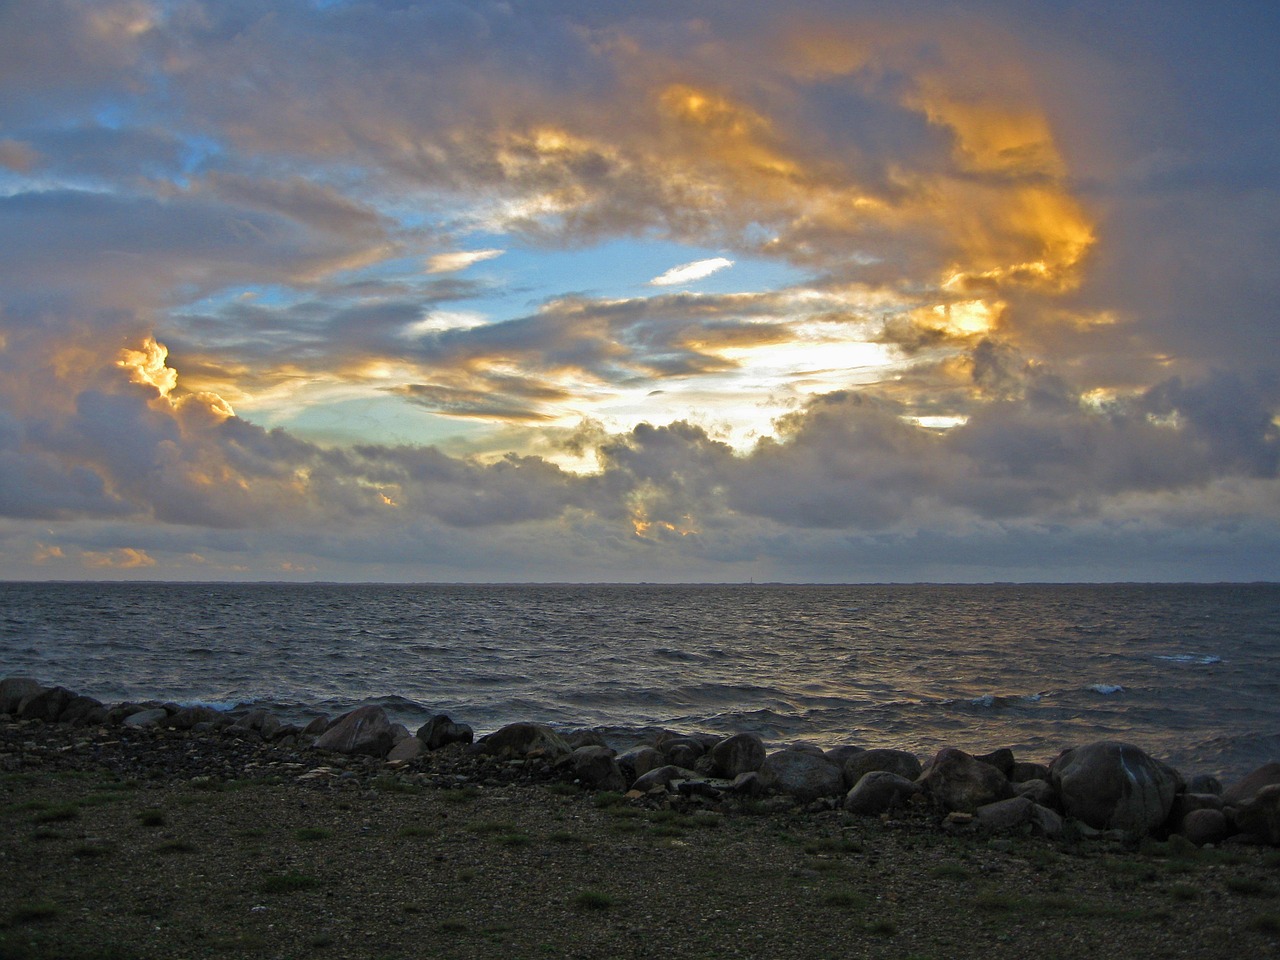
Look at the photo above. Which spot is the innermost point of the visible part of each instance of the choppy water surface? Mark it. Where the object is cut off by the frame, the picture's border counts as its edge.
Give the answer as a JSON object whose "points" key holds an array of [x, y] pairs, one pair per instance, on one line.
{"points": [[1189, 672]]}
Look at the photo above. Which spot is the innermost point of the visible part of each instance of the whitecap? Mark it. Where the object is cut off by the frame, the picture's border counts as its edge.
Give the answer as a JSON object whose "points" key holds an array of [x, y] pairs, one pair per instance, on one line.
{"points": [[1188, 658], [1106, 689]]}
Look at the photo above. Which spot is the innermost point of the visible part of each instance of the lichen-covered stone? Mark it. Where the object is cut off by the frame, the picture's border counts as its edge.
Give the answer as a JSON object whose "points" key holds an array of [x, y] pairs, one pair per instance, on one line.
{"points": [[1114, 786], [524, 741]]}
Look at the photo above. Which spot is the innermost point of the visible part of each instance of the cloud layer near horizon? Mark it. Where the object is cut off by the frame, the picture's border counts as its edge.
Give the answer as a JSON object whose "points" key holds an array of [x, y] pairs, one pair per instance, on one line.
{"points": [[1025, 328]]}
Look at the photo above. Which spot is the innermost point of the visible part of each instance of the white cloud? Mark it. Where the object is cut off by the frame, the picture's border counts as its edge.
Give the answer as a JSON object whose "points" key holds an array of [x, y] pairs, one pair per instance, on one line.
{"points": [[688, 272], [459, 260]]}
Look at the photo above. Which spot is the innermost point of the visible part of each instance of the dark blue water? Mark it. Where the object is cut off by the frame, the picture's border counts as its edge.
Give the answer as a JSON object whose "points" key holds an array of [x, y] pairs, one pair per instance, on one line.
{"points": [[1191, 673]]}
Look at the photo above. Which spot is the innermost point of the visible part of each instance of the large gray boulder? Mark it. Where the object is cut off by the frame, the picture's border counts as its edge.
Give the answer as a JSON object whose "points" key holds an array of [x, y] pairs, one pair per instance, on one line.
{"points": [[662, 777], [879, 792], [365, 731], [46, 705], [524, 741], [956, 781], [741, 753], [83, 711], [682, 751], [13, 690], [145, 719], [904, 764], [638, 761], [801, 775], [1016, 814], [1111, 785]]}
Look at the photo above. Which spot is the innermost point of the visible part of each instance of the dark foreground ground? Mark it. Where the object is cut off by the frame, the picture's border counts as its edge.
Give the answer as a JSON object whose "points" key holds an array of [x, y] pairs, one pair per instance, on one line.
{"points": [[175, 845]]}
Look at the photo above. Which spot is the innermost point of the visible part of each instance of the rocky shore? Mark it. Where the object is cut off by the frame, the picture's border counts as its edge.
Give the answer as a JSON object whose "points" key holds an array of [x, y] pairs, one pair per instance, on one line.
{"points": [[693, 845]]}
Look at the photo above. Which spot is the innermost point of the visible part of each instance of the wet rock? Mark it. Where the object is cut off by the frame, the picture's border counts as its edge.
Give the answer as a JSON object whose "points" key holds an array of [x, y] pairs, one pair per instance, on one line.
{"points": [[638, 761], [440, 731], [880, 791], [741, 753], [1205, 826], [904, 764], [261, 722], [1259, 816], [146, 718], [956, 781], [801, 775], [1114, 786], [399, 732], [595, 768], [13, 690], [524, 741], [1251, 783], [365, 731]]}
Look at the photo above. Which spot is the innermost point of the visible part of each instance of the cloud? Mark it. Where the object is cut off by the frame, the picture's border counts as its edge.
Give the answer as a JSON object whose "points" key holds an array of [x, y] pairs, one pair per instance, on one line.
{"points": [[688, 272], [459, 260]]}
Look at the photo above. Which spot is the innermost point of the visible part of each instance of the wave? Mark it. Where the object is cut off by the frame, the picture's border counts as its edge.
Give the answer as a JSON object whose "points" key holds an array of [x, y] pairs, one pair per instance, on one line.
{"points": [[1188, 658], [1106, 689]]}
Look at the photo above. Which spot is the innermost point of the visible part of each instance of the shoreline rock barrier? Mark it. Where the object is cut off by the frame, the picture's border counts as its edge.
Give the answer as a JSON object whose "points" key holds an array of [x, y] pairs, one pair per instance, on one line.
{"points": [[1103, 789]]}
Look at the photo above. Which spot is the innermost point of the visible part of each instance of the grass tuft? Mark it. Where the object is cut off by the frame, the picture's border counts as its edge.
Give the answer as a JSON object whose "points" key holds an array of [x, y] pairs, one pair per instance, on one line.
{"points": [[152, 817], [287, 882], [312, 833], [593, 900]]}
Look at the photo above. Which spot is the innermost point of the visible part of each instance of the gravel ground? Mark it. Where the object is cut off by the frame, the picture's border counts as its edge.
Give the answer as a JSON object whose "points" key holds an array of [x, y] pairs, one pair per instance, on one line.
{"points": [[164, 844]]}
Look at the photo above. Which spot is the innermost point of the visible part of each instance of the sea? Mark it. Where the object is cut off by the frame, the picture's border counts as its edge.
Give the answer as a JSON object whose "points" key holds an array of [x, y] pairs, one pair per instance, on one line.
{"points": [[1190, 673]]}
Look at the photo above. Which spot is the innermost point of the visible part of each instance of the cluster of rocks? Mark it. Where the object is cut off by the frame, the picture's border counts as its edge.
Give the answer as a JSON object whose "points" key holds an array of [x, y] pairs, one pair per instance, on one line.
{"points": [[1102, 788]]}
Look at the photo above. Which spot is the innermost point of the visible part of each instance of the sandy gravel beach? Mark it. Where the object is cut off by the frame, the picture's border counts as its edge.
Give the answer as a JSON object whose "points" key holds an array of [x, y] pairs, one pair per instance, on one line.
{"points": [[156, 843]]}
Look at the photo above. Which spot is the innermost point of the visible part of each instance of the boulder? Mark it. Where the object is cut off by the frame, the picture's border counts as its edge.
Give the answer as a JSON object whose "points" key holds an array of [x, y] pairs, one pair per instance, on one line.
{"points": [[1110, 785], [638, 761], [83, 711], [187, 717], [956, 781], [801, 775], [1259, 816], [406, 749], [1018, 814], [440, 731], [524, 741], [804, 746], [1024, 771], [262, 722], [1243, 789], [741, 753], [13, 690], [1037, 791], [878, 792], [585, 738], [1001, 759], [1205, 825], [364, 730], [682, 751], [904, 764], [662, 777], [595, 768], [317, 726], [46, 705], [1204, 783], [146, 718], [748, 785], [838, 755]]}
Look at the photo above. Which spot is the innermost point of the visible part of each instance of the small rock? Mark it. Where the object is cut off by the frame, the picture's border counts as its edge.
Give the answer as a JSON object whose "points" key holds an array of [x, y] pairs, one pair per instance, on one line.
{"points": [[440, 731]]}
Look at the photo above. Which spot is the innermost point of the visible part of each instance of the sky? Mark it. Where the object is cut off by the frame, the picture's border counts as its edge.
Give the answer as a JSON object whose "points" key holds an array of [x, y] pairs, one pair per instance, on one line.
{"points": [[575, 290]]}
